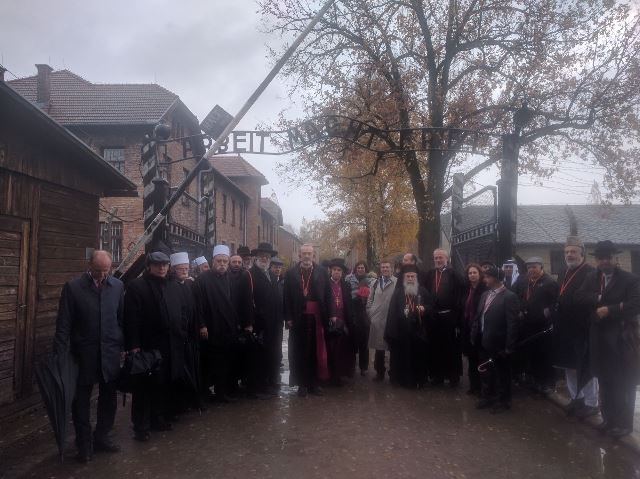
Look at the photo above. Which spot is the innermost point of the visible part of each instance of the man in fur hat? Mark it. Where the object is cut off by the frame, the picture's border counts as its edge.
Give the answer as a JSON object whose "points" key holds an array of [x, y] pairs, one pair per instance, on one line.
{"points": [[571, 333]]}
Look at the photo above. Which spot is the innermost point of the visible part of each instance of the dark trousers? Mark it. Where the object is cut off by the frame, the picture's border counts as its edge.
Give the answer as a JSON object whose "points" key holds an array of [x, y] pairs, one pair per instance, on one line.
{"points": [[226, 367], [150, 405], [362, 327], [618, 395], [378, 362], [81, 411], [445, 352], [496, 381], [537, 357]]}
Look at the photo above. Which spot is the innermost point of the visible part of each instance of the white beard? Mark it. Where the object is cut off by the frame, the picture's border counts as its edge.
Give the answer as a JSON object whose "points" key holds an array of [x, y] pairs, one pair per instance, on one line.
{"points": [[263, 265], [411, 289]]}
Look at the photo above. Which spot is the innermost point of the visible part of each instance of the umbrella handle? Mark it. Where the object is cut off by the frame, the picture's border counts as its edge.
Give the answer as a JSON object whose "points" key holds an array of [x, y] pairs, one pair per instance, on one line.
{"points": [[483, 367]]}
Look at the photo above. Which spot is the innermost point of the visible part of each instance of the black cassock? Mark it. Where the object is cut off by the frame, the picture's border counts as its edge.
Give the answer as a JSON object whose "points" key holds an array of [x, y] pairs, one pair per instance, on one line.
{"points": [[305, 342], [444, 326], [224, 307], [267, 325], [406, 333]]}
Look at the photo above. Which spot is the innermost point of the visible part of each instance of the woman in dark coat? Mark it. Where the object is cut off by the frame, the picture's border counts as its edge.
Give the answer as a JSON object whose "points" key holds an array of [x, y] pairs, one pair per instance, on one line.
{"points": [[474, 289], [406, 330], [155, 318], [341, 341]]}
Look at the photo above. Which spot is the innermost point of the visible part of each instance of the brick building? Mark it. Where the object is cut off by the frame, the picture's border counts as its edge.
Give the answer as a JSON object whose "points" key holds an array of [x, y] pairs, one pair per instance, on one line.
{"points": [[113, 120], [271, 220], [288, 245]]}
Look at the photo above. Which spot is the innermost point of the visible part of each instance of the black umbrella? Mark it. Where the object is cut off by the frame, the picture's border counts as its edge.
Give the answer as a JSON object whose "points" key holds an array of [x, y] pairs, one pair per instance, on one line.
{"points": [[57, 376], [484, 366], [191, 371]]}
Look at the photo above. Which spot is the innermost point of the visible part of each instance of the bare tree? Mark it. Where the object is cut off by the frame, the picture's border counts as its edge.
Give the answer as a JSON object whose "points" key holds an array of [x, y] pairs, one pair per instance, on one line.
{"points": [[469, 64]]}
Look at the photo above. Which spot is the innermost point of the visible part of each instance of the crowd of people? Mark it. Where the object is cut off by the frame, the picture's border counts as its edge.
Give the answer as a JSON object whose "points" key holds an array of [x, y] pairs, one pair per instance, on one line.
{"points": [[218, 329]]}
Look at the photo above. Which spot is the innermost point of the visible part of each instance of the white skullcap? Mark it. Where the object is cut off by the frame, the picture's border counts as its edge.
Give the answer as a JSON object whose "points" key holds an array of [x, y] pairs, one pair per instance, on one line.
{"points": [[200, 260], [221, 249], [179, 258]]}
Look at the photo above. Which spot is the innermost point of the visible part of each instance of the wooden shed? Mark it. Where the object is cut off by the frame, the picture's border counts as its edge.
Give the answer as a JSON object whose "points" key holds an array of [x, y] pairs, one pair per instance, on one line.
{"points": [[50, 188]]}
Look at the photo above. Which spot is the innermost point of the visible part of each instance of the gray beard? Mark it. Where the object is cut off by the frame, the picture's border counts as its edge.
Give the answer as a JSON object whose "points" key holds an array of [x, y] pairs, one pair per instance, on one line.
{"points": [[411, 289]]}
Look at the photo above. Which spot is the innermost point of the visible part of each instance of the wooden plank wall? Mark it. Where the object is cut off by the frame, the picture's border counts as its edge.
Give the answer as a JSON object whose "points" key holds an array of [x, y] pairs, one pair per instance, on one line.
{"points": [[63, 223]]}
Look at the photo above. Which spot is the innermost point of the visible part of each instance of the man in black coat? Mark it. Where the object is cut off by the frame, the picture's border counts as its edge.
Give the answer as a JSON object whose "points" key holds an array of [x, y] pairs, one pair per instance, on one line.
{"points": [[444, 327], [538, 296], [277, 278], [89, 324], [571, 333], [224, 310], [495, 330], [155, 318], [406, 331], [613, 297], [307, 299], [266, 325]]}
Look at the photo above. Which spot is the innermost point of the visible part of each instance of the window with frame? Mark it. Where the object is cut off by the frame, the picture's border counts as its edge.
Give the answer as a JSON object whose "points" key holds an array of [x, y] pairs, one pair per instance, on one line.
{"points": [[224, 208], [112, 240], [241, 216], [115, 157], [233, 212], [557, 261], [185, 198]]}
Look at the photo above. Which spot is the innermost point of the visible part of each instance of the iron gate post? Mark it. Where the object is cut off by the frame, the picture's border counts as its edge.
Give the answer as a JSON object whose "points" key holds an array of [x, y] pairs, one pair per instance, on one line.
{"points": [[508, 197]]}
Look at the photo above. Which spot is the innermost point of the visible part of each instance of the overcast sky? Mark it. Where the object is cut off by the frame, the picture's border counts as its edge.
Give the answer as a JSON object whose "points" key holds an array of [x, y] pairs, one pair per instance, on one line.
{"points": [[206, 52]]}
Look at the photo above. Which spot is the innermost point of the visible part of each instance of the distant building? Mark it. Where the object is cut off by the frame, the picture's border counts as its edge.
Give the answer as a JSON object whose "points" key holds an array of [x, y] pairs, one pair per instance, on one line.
{"points": [[113, 120], [543, 229], [288, 245]]}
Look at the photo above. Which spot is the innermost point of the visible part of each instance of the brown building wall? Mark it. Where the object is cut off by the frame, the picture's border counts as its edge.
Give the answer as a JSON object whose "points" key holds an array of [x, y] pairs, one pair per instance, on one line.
{"points": [[288, 247], [251, 187], [230, 230]]}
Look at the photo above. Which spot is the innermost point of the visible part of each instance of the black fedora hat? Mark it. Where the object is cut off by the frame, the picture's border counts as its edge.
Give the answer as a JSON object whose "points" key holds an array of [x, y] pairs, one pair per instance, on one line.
{"points": [[243, 251], [605, 248], [264, 248], [338, 263]]}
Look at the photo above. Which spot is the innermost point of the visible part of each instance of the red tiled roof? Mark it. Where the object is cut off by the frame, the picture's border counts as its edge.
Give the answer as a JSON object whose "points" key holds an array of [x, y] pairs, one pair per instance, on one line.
{"points": [[234, 166], [76, 101]]}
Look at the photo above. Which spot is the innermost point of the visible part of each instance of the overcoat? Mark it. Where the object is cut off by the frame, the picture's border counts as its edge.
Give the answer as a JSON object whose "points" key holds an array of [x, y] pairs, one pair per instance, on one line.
{"points": [[378, 309], [156, 317], [610, 340], [571, 322], [89, 323], [498, 331]]}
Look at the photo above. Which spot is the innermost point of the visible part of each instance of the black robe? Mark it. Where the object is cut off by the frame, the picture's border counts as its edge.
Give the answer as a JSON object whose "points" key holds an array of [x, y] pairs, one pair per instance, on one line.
{"points": [[444, 326], [571, 324], [294, 306], [407, 337], [155, 317]]}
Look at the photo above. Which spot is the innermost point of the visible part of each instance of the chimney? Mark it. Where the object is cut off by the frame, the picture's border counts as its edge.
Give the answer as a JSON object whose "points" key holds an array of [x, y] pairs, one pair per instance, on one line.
{"points": [[44, 84], [2, 70]]}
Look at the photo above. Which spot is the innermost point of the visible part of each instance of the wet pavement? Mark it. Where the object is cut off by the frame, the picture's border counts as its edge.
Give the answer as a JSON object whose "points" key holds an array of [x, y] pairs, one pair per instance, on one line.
{"points": [[365, 429]]}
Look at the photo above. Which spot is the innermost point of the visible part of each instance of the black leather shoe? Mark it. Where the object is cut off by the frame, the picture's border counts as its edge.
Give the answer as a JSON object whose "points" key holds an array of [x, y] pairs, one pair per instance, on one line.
{"points": [[316, 391], [302, 391], [142, 436], [586, 411], [83, 457], [618, 432], [105, 445], [162, 426], [484, 404], [573, 406], [500, 408]]}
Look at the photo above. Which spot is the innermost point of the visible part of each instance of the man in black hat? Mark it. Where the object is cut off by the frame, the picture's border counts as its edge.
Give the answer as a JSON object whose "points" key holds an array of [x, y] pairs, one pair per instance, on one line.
{"points": [[538, 297], [89, 324], [277, 278], [155, 318], [406, 330], [613, 297], [266, 325], [445, 348], [307, 299], [495, 331], [247, 259]]}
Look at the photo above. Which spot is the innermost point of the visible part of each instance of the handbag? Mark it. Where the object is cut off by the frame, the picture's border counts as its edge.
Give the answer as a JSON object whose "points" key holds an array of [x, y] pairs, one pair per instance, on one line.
{"points": [[137, 369]]}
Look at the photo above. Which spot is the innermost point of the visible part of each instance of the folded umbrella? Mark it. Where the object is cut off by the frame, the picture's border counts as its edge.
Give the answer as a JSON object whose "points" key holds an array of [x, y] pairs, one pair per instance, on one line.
{"points": [[482, 367], [57, 377]]}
